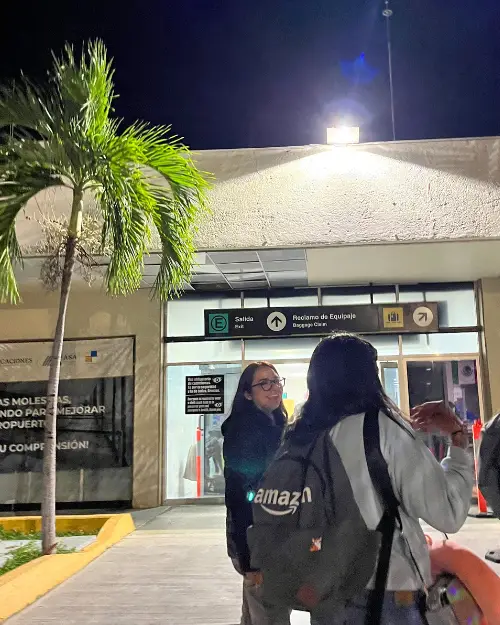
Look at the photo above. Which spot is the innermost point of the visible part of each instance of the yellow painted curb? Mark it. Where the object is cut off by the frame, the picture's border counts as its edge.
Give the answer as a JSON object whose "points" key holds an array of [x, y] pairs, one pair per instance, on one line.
{"points": [[29, 582]]}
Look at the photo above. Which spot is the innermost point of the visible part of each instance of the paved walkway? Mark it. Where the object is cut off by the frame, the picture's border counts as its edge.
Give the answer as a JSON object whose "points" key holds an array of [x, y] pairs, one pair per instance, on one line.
{"points": [[173, 571]]}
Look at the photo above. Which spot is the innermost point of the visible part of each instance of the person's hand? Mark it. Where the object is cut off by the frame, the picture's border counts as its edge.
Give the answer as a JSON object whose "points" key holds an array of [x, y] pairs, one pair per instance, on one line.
{"points": [[253, 579], [435, 416]]}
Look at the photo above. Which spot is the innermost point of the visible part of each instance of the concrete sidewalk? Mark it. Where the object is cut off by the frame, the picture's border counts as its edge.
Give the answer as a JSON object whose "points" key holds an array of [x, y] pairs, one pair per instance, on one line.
{"points": [[173, 571]]}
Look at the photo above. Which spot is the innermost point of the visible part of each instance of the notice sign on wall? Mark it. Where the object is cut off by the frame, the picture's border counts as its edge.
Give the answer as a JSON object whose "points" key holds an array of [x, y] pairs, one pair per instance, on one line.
{"points": [[204, 394], [94, 412]]}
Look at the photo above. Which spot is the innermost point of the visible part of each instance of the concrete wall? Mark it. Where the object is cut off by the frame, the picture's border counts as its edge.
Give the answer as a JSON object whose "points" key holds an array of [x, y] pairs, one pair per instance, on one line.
{"points": [[322, 195], [92, 314], [490, 296], [318, 195]]}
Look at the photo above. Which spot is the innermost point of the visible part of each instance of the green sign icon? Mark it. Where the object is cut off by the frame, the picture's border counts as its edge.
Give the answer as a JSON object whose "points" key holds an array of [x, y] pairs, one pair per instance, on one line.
{"points": [[218, 323]]}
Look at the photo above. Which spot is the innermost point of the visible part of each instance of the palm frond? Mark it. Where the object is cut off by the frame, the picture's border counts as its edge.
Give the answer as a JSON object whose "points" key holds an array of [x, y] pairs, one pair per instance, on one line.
{"points": [[176, 192], [20, 180], [26, 106], [176, 233], [155, 184], [85, 87], [143, 177], [127, 212]]}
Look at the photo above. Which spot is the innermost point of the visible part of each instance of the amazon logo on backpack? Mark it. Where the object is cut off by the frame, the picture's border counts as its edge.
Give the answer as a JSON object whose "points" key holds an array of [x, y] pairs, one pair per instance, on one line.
{"points": [[284, 498]]}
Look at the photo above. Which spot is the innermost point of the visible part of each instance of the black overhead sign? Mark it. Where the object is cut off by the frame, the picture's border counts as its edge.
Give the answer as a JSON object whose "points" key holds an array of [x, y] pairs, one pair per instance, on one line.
{"points": [[204, 394], [321, 320]]}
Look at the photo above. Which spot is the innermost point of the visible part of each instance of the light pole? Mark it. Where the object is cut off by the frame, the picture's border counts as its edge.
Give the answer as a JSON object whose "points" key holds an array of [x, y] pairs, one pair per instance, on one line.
{"points": [[387, 13]]}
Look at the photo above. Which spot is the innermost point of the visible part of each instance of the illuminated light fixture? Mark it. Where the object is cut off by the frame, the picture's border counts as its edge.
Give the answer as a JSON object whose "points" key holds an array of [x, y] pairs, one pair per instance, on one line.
{"points": [[342, 135]]}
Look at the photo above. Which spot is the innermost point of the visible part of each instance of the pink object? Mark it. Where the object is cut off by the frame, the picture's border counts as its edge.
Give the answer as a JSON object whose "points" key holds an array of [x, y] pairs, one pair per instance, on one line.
{"points": [[481, 581]]}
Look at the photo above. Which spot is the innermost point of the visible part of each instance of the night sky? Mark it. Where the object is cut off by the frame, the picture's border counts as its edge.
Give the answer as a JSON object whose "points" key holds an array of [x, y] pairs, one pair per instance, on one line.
{"points": [[235, 73]]}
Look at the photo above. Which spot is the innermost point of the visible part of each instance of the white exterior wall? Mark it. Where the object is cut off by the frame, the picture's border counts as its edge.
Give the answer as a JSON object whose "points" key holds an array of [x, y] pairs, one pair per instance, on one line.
{"points": [[321, 195]]}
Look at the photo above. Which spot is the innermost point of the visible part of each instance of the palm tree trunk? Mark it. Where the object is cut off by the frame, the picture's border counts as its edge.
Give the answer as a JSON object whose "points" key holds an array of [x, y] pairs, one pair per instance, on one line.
{"points": [[50, 440]]}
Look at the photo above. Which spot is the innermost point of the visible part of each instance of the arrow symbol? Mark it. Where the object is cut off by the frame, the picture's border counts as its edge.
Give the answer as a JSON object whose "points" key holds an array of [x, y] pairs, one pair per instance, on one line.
{"points": [[276, 321], [423, 316]]}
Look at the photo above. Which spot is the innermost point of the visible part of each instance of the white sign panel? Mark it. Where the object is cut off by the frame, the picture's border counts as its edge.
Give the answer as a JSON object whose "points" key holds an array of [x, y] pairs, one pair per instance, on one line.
{"points": [[81, 359]]}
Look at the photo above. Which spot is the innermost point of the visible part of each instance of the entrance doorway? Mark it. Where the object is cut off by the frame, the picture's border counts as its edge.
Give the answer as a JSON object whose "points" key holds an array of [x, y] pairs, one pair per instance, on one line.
{"points": [[445, 378], [194, 466]]}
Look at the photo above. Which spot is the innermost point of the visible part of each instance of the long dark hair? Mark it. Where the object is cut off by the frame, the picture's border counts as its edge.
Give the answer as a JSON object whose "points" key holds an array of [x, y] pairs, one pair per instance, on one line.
{"points": [[242, 406], [342, 380]]}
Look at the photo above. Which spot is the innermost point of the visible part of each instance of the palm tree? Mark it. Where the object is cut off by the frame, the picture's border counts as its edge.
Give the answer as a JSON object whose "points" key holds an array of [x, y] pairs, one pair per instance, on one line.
{"points": [[141, 178]]}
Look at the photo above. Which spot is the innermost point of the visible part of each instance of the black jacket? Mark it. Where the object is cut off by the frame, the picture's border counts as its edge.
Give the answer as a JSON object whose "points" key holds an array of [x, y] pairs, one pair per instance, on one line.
{"points": [[250, 443]]}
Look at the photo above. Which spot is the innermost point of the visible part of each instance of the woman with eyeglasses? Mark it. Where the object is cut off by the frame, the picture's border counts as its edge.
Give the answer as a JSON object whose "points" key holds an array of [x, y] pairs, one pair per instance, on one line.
{"points": [[252, 435]]}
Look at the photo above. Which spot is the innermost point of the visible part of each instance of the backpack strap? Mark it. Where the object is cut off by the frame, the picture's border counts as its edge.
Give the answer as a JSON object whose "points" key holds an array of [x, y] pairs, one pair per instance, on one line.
{"points": [[381, 480]]}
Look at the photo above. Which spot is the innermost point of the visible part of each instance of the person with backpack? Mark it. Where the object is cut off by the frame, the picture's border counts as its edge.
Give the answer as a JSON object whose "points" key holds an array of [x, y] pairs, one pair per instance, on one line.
{"points": [[336, 527], [252, 435]]}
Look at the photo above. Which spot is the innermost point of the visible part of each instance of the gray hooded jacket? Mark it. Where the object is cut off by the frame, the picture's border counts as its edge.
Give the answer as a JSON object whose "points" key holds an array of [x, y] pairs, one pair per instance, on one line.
{"points": [[438, 494]]}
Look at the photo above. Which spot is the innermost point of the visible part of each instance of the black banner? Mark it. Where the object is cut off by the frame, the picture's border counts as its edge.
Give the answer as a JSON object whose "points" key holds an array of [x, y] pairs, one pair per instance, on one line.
{"points": [[321, 320], [94, 424], [204, 394]]}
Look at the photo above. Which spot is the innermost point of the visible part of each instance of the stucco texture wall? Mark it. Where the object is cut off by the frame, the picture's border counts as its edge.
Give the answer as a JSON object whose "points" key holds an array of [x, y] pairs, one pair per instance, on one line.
{"points": [[92, 314], [322, 195]]}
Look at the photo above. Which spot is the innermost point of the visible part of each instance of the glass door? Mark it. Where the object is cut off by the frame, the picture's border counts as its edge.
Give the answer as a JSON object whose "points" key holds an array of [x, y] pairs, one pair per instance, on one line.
{"points": [[389, 376], [194, 466], [295, 374], [453, 380], [295, 391]]}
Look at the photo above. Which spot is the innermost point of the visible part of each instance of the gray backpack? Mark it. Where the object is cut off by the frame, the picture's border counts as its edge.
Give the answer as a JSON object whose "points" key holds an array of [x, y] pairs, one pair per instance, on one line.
{"points": [[489, 465], [308, 536]]}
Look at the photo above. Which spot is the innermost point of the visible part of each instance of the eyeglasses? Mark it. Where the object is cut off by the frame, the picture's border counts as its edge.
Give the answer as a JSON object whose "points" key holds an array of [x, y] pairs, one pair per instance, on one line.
{"points": [[267, 385]]}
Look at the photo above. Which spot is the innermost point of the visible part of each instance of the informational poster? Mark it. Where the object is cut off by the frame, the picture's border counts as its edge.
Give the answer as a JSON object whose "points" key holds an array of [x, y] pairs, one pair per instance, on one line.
{"points": [[204, 394], [95, 405]]}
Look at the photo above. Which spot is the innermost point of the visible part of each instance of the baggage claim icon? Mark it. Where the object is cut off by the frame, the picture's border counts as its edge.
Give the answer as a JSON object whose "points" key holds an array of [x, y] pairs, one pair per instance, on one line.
{"points": [[276, 321]]}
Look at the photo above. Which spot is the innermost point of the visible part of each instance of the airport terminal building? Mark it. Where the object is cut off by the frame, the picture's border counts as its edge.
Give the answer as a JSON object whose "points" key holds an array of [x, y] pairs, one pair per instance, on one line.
{"points": [[399, 242]]}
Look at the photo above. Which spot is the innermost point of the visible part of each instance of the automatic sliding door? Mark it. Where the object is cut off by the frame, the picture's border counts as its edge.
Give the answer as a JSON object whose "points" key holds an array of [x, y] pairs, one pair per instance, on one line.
{"points": [[452, 381], [194, 464]]}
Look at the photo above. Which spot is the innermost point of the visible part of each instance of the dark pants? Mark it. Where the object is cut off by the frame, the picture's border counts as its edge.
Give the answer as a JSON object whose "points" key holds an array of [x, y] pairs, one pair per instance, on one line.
{"points": [[256, 612]]}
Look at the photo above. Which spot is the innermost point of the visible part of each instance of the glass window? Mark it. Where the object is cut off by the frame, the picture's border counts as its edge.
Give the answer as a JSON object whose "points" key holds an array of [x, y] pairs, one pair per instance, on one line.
{"points": [[389, 376], [194, 466], [203, 351], [454, 381], [332, 299], [295, 300], [453, 343], [386, 345], [255, 301], [279, 349], [457, 309], [295, 391], [406, 297], [384, 298], [185, 316]]}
